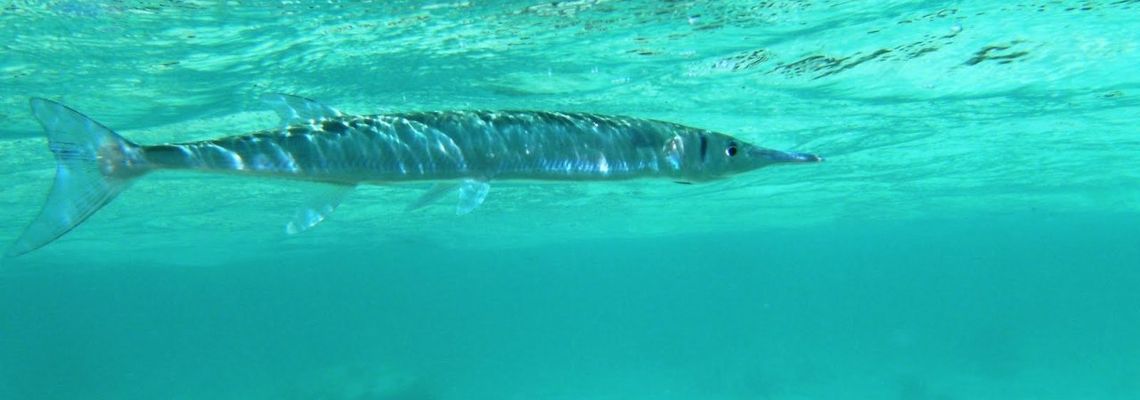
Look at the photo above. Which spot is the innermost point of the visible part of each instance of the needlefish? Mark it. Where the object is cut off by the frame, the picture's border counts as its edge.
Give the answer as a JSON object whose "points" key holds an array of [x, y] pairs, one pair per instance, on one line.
{"points": [[458, 151]]}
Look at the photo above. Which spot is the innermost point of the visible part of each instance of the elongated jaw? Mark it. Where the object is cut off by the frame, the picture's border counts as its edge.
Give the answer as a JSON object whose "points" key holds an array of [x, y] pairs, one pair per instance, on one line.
{"points": [[770, 156]]}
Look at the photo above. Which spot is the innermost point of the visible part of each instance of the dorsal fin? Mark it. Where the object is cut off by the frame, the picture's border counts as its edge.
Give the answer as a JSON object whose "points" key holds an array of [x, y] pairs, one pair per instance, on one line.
{"points": [[296, 109]]}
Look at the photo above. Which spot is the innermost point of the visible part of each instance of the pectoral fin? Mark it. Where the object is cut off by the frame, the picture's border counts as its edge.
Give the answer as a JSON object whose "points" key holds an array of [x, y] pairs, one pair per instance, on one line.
{"points": [[471, 195], [318, 207]]}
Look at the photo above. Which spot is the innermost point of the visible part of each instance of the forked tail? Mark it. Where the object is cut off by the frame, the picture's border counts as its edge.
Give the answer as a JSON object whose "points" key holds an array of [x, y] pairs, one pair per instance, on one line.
{"points": [[93, 164]]}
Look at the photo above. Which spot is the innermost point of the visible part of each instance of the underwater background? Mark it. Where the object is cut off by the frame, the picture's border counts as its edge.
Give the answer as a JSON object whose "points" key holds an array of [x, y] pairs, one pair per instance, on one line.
{"points": [[974, 233]]}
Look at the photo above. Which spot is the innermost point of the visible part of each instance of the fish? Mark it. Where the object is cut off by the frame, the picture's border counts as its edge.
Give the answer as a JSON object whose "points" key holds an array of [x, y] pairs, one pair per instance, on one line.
{"points": [[456, 151]]}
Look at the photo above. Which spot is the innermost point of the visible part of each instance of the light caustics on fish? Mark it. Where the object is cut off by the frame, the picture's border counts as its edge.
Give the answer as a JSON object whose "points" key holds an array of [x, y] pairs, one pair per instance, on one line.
{"points": [[458, 150]]}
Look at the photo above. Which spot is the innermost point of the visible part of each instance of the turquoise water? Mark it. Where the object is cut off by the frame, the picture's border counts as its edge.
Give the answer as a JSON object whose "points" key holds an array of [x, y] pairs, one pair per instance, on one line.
{"points": [[974, 234]]}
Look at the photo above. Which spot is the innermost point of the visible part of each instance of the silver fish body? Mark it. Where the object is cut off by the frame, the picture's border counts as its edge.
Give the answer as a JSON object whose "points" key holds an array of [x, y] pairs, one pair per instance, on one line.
{"points": [[485, 145], [460, 150]]}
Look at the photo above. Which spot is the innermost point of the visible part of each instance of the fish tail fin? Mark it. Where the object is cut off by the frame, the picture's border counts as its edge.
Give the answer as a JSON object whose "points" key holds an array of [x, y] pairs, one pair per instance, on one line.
{"points": [[93, 165]]}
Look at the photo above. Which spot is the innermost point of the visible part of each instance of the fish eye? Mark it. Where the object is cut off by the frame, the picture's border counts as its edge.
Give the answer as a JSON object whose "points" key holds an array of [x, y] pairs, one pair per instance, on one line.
{"points": [[731, 149]]}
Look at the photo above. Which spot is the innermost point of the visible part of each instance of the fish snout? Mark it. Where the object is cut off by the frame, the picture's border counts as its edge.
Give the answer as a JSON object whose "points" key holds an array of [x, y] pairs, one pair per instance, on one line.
{"points": [[775, 156]]}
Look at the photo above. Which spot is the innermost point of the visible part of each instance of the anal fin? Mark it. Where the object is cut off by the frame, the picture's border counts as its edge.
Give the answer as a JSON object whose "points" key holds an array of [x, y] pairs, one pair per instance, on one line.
{"points": [[318, 207], [471, 195], [433, 194]]}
